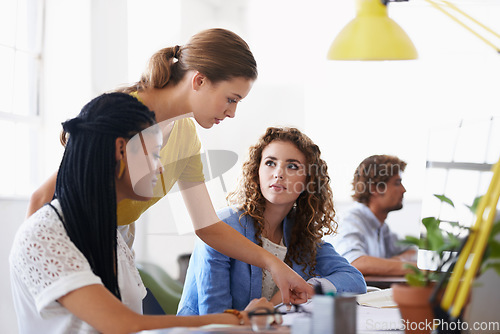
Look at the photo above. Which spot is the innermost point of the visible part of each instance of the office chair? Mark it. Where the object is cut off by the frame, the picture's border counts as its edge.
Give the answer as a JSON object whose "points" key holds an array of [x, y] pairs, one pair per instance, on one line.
{"points": [[164, 292]]}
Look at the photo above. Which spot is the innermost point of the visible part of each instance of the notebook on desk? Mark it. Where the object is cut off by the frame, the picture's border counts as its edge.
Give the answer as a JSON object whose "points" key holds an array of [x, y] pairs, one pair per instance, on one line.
{"points": [[379, 299]]}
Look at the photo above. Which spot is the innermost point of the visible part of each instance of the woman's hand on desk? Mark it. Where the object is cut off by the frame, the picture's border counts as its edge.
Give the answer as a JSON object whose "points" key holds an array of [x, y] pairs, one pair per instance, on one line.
{"points": [[261, 302], [293, 287], [255, 304]]}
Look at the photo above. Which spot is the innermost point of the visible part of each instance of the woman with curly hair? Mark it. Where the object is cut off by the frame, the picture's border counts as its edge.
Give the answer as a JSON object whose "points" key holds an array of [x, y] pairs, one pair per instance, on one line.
{"points": [[284, 204]]}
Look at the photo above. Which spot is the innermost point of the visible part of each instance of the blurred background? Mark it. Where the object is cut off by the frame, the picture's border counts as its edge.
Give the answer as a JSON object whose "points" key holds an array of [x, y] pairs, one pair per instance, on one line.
{"points": [[56, 55]]}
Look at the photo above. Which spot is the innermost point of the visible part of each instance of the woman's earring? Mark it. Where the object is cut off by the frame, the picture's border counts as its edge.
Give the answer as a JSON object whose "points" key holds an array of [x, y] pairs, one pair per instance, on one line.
{"points": [[121, 169]]}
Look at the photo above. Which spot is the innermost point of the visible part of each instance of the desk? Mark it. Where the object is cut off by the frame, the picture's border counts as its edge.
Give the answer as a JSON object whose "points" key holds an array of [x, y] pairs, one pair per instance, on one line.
{"points": [[383, 282], [218, 330], [369, 320]]}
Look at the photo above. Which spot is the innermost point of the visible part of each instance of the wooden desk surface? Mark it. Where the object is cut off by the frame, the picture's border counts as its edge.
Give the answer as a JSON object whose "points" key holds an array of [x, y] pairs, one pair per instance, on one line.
{"points": [[383, 282]]}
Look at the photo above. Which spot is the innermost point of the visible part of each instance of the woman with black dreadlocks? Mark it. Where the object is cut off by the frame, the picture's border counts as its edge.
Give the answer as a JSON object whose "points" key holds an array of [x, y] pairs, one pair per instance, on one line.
{"points": [[71, 271]]}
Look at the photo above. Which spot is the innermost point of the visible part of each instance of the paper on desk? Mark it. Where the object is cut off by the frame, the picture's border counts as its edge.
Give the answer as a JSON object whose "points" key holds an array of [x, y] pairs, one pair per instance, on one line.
{"points": [[379, 299], [378, 319], [289, 318]]}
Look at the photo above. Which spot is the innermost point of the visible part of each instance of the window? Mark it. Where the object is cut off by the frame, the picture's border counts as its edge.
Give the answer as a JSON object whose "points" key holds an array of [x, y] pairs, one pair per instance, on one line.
{"points": [[459, 166], [21, 23]]}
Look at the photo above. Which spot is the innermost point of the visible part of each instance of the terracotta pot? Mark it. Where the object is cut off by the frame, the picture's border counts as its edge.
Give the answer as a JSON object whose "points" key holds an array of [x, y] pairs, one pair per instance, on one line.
{"points": [[415, 307]]}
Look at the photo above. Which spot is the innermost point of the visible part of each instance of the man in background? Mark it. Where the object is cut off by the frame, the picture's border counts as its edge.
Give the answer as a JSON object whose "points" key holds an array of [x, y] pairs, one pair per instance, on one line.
{"points": [[364, 238]]}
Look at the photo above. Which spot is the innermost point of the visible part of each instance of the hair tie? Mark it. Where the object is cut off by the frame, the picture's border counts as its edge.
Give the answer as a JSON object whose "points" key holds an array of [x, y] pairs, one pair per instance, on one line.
{"points": [[177, 50], [71, 126]]}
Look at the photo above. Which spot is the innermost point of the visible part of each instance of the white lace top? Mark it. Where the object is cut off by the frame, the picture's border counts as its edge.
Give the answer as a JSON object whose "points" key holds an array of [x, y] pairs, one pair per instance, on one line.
{"points": [[269, 288], [45, 265]]}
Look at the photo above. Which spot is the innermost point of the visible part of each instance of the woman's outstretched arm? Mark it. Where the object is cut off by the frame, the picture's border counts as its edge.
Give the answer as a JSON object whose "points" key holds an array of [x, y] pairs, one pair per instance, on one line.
{"points": [[42, 195], [95, 305]]}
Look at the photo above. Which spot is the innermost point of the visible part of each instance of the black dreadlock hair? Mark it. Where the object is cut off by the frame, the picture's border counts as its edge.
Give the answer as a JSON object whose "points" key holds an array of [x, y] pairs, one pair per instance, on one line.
{"points": [[85, 185]]}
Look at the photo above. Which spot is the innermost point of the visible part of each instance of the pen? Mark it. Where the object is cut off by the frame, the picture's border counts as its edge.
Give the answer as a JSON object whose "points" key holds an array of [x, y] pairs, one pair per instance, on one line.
{"points": [[288, 306]]}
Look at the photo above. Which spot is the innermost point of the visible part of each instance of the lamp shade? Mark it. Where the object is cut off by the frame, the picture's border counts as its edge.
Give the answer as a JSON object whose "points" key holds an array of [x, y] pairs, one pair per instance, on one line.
{"points": [[372, 35]]}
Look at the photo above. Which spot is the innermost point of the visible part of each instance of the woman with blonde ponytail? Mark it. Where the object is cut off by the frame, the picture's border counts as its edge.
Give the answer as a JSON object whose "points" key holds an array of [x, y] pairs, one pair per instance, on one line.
{"points": [[203, 79]]}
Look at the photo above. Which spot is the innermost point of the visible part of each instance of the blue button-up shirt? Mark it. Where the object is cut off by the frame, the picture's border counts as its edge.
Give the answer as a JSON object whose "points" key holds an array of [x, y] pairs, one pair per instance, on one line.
{"points": [[361, 233], [215, 282]]}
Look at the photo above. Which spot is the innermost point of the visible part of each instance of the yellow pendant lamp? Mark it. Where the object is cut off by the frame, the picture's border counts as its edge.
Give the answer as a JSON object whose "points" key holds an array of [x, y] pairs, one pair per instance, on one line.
{"points": [[372, 35]]}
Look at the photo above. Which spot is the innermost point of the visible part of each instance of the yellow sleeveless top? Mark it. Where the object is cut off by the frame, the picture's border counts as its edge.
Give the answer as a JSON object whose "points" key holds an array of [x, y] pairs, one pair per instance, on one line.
{"points": [[181, 160]]}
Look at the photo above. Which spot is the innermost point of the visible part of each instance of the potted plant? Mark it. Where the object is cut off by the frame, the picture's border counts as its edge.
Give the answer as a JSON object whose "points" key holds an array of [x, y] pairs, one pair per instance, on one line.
{"points": [[413, 298]]}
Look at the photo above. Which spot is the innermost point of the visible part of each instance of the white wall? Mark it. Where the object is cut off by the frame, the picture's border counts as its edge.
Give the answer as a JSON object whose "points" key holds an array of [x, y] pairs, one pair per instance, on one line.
{"points": [[350, 109], [12, 212], [66, 87]]}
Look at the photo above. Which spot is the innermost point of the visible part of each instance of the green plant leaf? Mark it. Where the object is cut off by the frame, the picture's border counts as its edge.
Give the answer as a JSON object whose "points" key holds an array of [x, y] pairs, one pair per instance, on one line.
{"points": [[442, 242], [435, 276], [475, 203], [495, 229], [415, 280], [445, 199], [434, 233], [457, 224], [412, 267], [430, 223], [451, 243], [410, 240], [492, 265], [494, 249], [417, 277]]}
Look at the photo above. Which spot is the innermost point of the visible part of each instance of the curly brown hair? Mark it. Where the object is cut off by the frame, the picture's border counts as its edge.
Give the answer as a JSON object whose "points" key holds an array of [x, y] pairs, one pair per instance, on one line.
{"points": [[374, 172], [313, 211]]}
